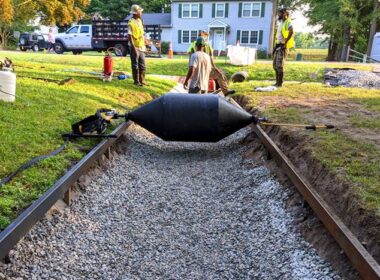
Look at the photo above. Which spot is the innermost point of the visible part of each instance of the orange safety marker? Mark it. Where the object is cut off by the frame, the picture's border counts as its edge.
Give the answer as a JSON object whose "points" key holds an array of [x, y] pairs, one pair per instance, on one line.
{"points": [[170, 53]]}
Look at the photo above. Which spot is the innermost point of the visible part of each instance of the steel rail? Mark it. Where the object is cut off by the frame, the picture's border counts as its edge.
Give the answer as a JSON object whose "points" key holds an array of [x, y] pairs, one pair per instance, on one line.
{"points": [[10, 236], [364, 263]]}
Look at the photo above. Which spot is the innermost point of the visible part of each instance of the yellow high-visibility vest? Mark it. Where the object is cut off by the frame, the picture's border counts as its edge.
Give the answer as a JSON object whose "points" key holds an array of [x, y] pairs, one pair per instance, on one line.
{"points": [[193, 48], [285, 33], [137, 30]]}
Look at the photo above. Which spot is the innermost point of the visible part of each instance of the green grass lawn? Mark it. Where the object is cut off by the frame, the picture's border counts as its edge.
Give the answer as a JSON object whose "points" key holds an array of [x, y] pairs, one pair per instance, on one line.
{"points": [[32, 126]]}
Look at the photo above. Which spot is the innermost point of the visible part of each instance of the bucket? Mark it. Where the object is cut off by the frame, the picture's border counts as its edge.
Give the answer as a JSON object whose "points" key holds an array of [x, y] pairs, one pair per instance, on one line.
{"points": [[7, 86]]}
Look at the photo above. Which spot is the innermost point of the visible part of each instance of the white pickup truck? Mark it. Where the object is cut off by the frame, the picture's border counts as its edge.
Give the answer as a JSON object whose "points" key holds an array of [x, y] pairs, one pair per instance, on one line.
{"points": [[76, 39]]}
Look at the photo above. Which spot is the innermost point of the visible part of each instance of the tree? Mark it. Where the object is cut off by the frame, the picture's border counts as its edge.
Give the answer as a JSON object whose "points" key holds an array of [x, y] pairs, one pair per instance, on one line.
{"points": [[16, 14], [373, 28], [119, 9], [346, 22]]}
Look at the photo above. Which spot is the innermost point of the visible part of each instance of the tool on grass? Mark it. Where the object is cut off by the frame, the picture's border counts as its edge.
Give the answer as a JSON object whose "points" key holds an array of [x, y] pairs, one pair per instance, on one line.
{"points": [[93, 126], [58, 82], [306, 126]]}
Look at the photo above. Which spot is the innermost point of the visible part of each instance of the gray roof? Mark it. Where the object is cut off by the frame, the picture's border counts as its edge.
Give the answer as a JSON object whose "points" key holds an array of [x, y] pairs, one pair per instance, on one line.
{"points": [[156, 18]]}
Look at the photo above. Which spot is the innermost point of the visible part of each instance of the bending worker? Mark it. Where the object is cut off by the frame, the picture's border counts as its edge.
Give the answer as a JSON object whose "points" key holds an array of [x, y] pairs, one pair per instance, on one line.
{"points": [[284, 42], [137, 41], [215, 74], [199, 69]]}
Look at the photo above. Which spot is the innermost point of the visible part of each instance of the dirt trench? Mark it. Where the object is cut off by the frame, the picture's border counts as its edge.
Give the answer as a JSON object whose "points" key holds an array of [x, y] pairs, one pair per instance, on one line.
{"points": [[338, 194]]}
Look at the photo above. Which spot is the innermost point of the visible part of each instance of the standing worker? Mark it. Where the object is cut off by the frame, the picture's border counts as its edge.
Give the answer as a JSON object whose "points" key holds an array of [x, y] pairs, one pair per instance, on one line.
{"points": [[284, 41], [216, 74], [137, 40], [199, 69], [51, 40]]}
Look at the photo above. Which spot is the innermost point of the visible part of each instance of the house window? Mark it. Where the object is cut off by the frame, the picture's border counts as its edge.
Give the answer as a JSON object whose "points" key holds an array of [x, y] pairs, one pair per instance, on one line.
{"points": [[249, 37], [194, 35], [189, 36], [251, 9], [186, 36], [190, 10], [254, 38], [220, 10], [244, 37]]}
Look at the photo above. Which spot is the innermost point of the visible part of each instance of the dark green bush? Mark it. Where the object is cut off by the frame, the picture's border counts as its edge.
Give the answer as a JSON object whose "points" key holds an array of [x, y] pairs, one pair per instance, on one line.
{"points": [[165, 47], [262, 53]]}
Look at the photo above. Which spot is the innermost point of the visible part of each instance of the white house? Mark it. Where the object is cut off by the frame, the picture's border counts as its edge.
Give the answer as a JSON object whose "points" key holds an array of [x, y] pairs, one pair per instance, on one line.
{"points": [[249, 22]]}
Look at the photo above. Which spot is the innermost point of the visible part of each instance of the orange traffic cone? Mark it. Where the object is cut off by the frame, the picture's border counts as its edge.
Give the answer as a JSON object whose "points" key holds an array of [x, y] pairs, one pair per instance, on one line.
{"points": [[170, 53], [238, 43]]}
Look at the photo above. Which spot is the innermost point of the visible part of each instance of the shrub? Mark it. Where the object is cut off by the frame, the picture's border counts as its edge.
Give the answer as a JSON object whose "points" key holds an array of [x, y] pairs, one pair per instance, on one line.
{"points": [[262, 53], [165, 47], [12, 43]]}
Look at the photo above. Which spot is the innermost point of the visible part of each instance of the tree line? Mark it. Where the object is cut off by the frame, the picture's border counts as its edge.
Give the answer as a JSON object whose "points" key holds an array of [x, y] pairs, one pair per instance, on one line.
{"points": [[350, 23], [18, 14], [344, 22]]}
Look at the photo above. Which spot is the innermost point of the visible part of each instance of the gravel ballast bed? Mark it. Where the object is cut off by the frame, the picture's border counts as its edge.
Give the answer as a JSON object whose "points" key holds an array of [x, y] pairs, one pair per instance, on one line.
{"points": [[172, 211]]}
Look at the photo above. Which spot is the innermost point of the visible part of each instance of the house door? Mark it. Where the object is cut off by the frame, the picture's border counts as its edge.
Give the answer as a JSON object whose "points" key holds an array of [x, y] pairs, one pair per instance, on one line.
{"points": [[219, 40]]}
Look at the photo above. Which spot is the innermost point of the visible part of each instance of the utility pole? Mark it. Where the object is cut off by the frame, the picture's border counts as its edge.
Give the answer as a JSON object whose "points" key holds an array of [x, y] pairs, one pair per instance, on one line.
{"points": [[273, 23], [373, 28]]}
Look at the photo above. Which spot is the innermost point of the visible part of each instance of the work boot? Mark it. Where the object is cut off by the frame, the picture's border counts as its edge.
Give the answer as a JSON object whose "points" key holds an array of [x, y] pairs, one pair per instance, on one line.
{"points": [[142, 78], [136, 77], [280, 79], [276, 84]]}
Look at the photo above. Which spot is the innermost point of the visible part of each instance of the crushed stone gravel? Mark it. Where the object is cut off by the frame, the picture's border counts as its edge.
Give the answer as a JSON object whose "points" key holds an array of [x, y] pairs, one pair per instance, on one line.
{"points": [[172, 211], [352, 78]]}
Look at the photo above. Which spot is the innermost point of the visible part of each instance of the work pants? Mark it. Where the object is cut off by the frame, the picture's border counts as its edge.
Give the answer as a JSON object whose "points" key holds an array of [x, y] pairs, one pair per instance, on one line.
{"points": [[138, 61], [279, 57]]}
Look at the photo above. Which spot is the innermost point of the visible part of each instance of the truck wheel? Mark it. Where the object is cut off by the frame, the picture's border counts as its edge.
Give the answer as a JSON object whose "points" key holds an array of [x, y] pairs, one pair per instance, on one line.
{"points": [[36, 48], [58, 48], [122, 48]]}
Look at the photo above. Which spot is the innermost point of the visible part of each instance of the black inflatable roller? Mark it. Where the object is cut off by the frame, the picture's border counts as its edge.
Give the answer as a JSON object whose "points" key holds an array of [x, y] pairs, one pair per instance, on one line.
{"points": [[191, 117]]}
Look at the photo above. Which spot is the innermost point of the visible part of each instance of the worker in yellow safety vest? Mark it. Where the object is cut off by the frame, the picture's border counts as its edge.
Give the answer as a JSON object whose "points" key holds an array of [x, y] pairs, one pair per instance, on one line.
{"points": [[138, 49], [284, 39], [216, 74]]}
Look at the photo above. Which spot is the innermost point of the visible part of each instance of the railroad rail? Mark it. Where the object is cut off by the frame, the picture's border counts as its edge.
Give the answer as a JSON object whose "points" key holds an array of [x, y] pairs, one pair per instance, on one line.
{"points": [[365, 264], [21, 225]]}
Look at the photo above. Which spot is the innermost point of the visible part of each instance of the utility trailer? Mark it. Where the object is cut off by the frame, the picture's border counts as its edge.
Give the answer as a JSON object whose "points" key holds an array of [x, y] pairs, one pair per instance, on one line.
{"points": [[114, 34]]}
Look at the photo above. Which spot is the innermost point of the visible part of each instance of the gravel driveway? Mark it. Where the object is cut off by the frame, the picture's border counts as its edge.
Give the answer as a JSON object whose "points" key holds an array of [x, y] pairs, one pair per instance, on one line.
{"points": [[172, 211]]}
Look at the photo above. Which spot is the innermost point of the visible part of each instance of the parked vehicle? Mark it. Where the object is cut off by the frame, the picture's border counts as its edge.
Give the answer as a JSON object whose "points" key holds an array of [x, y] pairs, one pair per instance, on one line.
{"points": [[100, 36], [110, 34], [32, 41], [76, 39]]}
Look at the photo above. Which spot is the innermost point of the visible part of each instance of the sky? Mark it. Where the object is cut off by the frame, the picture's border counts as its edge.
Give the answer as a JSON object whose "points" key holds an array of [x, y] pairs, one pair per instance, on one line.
{"points": [[300, 22]]}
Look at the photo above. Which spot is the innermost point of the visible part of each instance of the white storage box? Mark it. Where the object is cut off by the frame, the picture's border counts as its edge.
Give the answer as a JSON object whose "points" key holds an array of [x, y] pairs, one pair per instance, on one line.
{"points": [[239, 55]]}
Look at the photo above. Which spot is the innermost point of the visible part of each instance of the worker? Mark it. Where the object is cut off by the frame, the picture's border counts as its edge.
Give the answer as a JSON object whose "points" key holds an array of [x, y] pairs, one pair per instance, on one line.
{"points": [[137, 41], [284, 38], [199, 69], [216, 74], [51, 41]]}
